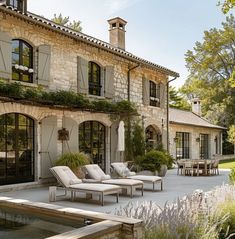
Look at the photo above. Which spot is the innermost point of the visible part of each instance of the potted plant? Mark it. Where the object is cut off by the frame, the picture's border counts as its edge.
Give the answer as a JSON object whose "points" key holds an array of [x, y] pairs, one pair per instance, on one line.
{"points": [[74, 161], [155, 161]]}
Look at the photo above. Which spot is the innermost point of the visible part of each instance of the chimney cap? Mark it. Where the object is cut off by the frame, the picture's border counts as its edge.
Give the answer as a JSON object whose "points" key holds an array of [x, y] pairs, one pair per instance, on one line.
{"points": [[117, 19]]}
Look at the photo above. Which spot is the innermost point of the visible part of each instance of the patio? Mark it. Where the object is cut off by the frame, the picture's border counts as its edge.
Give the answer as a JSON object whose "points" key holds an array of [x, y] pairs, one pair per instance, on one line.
{"points": [[174, 186]]}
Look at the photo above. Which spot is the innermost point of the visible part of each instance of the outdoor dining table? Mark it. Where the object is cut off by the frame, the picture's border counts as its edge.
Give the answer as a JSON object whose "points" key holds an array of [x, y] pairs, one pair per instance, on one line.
{"points": [[197, 165]]}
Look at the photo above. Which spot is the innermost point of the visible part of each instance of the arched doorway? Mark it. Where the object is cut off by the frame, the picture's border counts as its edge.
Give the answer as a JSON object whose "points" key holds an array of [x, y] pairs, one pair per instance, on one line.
{"points": [[16, 149], [92, 141], [153, 137]]}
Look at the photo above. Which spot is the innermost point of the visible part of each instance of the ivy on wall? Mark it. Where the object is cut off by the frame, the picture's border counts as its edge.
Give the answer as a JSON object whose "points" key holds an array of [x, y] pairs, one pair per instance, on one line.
{"points": [[70, 99]]}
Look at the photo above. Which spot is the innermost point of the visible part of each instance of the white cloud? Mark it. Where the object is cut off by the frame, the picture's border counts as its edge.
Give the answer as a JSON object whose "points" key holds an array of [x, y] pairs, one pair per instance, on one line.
{"points": [[114, 6]]}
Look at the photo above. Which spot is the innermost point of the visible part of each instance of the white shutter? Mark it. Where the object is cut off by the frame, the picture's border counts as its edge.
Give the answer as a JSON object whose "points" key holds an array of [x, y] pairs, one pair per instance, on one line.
{"points": [[109, 82], [44, 64], [5, 56], [82, 72]]}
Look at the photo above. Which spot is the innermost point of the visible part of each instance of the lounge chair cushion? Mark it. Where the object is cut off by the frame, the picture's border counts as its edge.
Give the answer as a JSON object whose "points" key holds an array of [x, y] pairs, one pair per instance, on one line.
{"points": [[95, 187], [66, 175], [146, 178], [95, 172], [122, 169], [123, 182], [75, 181]]}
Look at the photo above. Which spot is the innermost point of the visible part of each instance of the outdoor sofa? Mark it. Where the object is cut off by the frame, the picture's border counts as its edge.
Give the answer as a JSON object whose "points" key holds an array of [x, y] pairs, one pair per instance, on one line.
{"points": [[123, 171], [70, 182], [96, 173]]}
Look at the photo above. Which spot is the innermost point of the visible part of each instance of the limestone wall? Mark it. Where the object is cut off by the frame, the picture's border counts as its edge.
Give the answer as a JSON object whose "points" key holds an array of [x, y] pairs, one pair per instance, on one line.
{"points": [[194, 134]]}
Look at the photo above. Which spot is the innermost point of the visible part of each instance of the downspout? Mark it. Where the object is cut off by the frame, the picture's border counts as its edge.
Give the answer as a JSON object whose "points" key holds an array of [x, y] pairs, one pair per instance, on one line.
{"points": [[129, 120], [167, 114]]}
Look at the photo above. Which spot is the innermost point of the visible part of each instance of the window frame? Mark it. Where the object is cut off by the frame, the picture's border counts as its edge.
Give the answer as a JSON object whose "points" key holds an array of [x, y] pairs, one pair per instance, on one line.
{"points": [[204, 146], [21, 73], [182, 145], [17, 4], [154, 94], [94, 87]]}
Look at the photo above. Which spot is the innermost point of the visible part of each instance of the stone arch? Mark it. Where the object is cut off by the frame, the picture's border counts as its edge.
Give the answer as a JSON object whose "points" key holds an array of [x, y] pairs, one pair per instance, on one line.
{"points": [[101, 118], [153, 136]]}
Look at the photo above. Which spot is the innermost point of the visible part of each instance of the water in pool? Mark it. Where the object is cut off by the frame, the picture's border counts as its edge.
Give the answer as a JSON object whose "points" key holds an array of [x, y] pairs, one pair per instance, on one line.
{"points": [[14, 225]]}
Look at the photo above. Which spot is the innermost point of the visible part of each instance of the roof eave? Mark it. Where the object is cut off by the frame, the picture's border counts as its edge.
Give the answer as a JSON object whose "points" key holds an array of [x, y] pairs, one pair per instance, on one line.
{"points": [[203, 126]]}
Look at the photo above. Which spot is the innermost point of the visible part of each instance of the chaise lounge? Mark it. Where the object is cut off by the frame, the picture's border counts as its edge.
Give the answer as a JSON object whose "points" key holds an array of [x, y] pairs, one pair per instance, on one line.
{"points": [[70, 182], [123, 171], [96, 173]]}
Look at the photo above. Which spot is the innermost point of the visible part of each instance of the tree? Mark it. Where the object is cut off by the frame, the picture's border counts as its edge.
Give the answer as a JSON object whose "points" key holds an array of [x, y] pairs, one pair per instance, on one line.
{"points": [[64, 21], [211, 65], [231, 135], [227, 5], [177, 100]]}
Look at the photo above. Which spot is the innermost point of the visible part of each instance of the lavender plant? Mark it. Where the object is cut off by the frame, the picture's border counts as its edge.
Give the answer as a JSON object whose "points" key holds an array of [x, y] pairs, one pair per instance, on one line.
{"points": [[198, 216]]}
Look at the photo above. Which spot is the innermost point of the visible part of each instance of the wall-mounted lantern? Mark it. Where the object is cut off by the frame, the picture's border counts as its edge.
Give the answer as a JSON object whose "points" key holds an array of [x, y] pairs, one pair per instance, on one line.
{"points": [[63, 134], [198, 139]]}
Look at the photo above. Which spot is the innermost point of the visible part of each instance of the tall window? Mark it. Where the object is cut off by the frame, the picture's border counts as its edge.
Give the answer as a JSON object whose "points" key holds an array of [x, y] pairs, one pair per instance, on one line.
{"points": [[22, 61], [204, 146], [92, 141], [16, 149], [94, 79], [154, 93], [182, 145]]}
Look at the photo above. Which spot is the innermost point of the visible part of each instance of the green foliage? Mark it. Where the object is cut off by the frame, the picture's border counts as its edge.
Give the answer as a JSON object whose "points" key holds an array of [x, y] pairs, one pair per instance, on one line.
{"points": [[211, 65], [64, 21], [227, 5], [73, 160], [232, 176], [64, 98], [228, 208], [231, 134], [138, 140], [153, 160], [177, 100]]}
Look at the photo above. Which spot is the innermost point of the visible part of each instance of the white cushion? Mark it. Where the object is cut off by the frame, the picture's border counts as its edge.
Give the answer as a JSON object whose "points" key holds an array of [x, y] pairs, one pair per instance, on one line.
{"points": [[95, 172], [65, 175], [146, 178], [123, 182], [75, 181], [95, 187], [122, 169]]}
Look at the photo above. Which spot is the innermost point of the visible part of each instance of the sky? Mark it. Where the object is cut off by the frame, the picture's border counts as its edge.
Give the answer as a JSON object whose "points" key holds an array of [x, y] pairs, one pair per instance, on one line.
{"points": [[160, 31]]}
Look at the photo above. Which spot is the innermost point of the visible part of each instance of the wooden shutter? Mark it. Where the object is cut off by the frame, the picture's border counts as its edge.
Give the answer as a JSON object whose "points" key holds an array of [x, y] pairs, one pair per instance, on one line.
{"points": [[82, 75], [109, 82], [145, 83], [5, 56], [162, 95], [44, 64]]}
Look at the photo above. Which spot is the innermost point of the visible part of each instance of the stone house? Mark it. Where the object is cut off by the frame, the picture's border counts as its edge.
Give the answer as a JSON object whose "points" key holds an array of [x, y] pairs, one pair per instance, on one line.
{"points": [[36, 52], [193, 137]]}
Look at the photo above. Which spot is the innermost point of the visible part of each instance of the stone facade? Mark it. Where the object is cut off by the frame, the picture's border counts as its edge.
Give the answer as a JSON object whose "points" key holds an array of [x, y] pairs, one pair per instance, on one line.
{"points": [[63, 75], [194, 143]]}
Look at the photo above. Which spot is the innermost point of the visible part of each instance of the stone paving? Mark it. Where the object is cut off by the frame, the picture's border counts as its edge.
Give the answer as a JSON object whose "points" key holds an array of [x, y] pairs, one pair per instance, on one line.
{"points": [[174, 186]]}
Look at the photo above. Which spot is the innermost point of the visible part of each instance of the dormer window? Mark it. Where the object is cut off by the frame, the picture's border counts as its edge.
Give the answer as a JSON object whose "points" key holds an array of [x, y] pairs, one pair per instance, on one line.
{"points": [[94, 79], [154, 93]]}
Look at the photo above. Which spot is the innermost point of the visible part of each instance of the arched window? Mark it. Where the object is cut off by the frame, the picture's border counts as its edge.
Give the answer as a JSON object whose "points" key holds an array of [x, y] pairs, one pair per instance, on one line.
{"points": [[94, 78], [16, 149], [92, 141], [154, 93], [22, 61]]}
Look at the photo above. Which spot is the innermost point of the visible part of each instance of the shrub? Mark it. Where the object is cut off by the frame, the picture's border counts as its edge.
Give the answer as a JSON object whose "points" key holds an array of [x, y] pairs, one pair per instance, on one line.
{"points": [[232, 176], [73, 160], [153, 160]]}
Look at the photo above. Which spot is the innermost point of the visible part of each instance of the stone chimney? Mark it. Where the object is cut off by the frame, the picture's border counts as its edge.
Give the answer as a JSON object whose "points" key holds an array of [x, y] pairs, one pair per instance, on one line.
{"points": [[117, 32], [196, 106]]}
